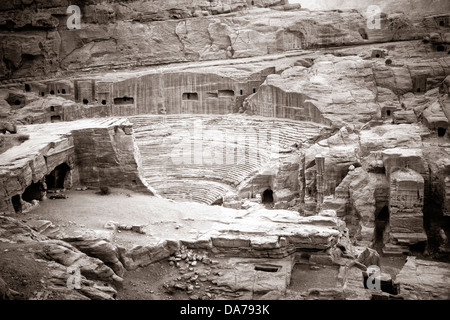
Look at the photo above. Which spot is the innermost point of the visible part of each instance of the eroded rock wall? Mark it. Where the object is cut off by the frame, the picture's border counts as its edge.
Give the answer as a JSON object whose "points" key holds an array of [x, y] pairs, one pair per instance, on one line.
{"points": [[97, 154], [142, 33]]}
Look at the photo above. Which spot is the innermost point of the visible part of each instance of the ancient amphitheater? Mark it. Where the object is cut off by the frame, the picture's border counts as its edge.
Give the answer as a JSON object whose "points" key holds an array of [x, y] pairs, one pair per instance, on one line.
{"points": [[224, 150]]}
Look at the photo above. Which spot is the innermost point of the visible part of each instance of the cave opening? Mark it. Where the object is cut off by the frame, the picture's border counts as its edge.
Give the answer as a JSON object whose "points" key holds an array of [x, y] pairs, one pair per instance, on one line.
{"points": [[56, 118], [218, 202], [27, 87], [419, 83], [56, 178], [440, 48], [124, 100], [63, 91], [52, 92], [15, 99], [388, 113], [226, 93], [241, 92], [267, 196], [267, 268], [381, 221], [442, 131], [190, 96], [254, 90], [441, 23], [42, 94], [388, 62], [363, 33], [52, 108], [32, 192], [17, 204], [85, 101], [103, 101]]}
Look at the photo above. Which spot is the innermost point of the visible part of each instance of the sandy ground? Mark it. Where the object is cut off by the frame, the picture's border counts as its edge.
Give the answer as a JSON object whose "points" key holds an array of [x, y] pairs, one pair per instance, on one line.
{"points": [[163, 219]]}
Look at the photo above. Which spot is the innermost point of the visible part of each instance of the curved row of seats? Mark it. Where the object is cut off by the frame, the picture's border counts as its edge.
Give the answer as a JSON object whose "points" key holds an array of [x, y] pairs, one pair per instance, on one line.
{"points": [[168, 147]]}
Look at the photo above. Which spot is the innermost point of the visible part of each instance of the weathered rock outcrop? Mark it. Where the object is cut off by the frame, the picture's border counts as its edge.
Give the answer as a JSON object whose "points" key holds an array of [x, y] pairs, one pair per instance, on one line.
{"points": [[370, 91], [104, 157], [69, 273]]}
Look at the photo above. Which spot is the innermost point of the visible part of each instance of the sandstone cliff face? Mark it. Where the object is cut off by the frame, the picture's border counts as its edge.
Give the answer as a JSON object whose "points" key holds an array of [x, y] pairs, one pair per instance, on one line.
{"points": [[147, 33], [417, 7], [345, 89]]}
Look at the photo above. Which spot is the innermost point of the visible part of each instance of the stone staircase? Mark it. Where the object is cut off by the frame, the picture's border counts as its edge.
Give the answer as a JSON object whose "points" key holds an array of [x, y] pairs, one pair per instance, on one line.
{"points": [[203, 157]]}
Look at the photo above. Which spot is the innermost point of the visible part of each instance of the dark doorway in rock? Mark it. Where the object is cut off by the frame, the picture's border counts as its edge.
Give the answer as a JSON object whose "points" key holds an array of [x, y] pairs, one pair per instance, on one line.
{"points": [[85, 101], [267, 196], [419, 83], [218, 202], [63, 91], [363, 34], [185, 96], [52, 92], [27, 87], [17, 204], [381, 221], [56, 118], [442, 131], [388, 62], [56, 178], [32, 192], [254, 90], [241, 92], [103, 101], [226, 93], [388, 113], [124, 100], [42, 93], [440, 48]]}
